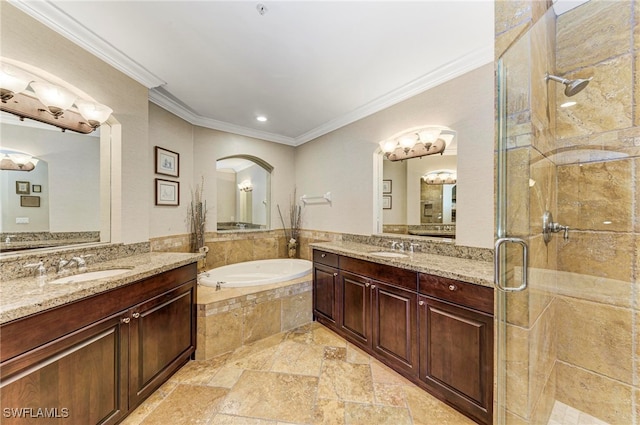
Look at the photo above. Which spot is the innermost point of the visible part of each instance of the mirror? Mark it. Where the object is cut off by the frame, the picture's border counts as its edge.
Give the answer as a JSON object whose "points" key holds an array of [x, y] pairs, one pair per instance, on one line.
{"points": [[244, 193], [416, 207], [59, 202]]}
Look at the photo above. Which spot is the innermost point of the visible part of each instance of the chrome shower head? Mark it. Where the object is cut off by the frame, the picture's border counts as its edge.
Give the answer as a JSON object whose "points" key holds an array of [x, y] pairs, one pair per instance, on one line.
{"points": [[573, 87]]}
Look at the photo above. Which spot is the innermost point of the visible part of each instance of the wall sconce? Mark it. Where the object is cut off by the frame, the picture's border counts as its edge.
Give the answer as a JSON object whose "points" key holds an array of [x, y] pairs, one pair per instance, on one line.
{"points": [[417, 142], [17, 161], [245, 186], [440, 177], [48, 103]]}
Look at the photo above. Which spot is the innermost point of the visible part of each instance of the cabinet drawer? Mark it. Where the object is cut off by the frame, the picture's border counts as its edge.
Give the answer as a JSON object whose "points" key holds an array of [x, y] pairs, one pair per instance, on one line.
{"points": [[326, 258], [393, 275], [467, 294]]}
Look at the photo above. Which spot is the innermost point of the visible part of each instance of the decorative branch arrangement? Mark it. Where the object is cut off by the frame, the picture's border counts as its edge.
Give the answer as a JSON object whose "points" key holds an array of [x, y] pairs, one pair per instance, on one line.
{"points": [[292, 233], [197, 217]]}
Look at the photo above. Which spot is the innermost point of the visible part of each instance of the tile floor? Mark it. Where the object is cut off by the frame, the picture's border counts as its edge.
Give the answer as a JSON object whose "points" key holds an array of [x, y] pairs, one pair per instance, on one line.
{"points": [[567, 415], [305, 376]]}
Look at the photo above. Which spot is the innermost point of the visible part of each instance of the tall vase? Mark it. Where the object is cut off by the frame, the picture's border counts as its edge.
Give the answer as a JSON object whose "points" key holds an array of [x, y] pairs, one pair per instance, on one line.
{"points": [[292, 246]]}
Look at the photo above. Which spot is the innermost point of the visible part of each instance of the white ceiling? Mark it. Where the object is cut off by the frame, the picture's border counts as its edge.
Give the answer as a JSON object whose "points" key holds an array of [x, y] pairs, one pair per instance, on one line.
{"points": [[309, 66]]}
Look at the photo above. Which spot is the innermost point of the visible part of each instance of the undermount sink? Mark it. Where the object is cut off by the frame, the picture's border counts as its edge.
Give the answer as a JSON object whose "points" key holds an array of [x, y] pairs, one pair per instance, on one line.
{"points": [[389, 254], [83, 277]]}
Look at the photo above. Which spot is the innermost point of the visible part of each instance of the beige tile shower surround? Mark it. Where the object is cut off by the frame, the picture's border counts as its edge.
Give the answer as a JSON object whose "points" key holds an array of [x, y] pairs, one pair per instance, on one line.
{"points": [[574, 337], [308, 375]]}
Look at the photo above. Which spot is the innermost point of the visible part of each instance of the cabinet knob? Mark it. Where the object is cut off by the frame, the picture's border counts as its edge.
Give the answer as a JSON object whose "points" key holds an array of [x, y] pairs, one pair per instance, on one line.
{"points": [[323, 255], [367, 284], [452, 287], [373, 286], [420, 302], [136, 315], [335, 274], [126, 320]]}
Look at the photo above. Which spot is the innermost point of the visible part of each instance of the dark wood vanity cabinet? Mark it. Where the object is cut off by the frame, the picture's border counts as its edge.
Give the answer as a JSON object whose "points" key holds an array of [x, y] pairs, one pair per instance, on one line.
{"points": [[435, 331], [325, 288], [94, 360], [456, 344]]}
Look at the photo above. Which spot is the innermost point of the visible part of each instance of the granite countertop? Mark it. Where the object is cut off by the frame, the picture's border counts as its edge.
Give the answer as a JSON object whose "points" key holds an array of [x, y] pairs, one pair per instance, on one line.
{"points": [[466, 270], [25, 296]]}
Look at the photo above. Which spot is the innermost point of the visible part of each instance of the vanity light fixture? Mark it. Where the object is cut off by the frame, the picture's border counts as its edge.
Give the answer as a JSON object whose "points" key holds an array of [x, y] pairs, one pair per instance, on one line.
{"points": [[440, 177], [28, 96], [245, 186], [17, 161], [261, 118], [417, 142]]}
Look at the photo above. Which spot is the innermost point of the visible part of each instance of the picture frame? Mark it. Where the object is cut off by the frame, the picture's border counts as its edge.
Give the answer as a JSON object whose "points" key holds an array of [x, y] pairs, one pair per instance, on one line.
{"points": [[386, 186], [386, 202], [36, 188], [23, 188], [30, 201], [167, 192], [167, 162]]}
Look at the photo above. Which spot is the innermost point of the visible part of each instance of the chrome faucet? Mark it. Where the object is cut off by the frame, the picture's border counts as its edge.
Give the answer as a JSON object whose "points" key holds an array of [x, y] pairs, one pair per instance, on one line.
{"points": [[38, 268], [79, 261], [413, 246], [218, 285]]}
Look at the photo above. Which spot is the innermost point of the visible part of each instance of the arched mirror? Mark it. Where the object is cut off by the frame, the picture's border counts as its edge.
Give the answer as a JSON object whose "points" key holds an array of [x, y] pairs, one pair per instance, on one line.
{"points": [[244, 193]]}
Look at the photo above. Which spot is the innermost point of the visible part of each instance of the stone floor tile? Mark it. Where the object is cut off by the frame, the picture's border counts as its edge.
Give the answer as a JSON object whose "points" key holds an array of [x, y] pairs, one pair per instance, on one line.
{"points": [[275, 396], [363, 414], [187, 404]]}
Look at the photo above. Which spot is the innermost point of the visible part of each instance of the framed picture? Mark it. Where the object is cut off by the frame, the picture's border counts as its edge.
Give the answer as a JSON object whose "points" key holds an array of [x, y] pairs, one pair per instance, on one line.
{"points": [[36, 188], [386, 202], [23, 188], [167, 162], [29, 201], [386, 186], [167, 192]]}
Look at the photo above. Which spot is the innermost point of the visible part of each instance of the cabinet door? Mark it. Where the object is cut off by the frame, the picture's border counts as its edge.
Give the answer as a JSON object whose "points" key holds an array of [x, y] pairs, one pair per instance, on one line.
{"points": [[395, 323], [456, 355], [325, 287], [162, 338], [77, 379], [355, 308]]}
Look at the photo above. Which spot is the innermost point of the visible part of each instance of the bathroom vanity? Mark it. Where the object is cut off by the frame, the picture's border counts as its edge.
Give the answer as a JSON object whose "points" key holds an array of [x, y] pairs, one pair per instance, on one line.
{"points": [[436, 331], [94, 359]]}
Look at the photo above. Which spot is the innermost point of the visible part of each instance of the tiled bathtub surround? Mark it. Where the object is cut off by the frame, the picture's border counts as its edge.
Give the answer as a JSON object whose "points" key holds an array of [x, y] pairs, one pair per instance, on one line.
{"points": [[232, 317]]}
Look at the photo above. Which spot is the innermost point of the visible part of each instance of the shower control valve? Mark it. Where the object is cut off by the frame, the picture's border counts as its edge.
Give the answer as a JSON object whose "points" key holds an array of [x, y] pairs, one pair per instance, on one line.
{"points": [[549, 227]]}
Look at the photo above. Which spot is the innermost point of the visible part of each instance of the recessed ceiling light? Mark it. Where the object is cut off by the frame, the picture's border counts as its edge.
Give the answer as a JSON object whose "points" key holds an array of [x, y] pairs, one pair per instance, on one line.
{"points": [[261, 118], [568, 104]]}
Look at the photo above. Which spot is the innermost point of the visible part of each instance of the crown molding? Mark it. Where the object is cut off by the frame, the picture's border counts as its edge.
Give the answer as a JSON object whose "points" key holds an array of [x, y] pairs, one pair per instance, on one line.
{"points": [[445, 73], [175, 108], [48, 14]]}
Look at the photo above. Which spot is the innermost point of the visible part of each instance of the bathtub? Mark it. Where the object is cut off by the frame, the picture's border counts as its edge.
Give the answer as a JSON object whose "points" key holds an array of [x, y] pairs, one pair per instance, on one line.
{"points": [[255, 273]]}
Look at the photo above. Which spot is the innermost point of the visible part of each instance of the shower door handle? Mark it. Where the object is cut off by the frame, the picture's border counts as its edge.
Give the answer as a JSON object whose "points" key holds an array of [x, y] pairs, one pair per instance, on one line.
{"points": [[497, 264]]}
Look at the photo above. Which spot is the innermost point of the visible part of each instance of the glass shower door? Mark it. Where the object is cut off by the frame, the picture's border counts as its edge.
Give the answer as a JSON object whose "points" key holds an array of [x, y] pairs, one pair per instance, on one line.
{"points": [[568, 303]]}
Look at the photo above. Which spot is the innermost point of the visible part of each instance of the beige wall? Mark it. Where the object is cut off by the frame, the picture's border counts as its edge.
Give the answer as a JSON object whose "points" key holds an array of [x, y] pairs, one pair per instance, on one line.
{"points": [[342, 162]]}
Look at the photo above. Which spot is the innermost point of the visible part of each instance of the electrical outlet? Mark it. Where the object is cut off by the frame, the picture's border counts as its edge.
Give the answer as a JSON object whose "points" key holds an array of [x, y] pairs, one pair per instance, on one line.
{"points": [[22, 220]]}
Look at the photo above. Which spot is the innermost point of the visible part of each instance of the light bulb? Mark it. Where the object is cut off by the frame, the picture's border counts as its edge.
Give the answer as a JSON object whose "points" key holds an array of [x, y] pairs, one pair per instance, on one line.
{"points": [[55, 98], [387, 146], [407, 142], [93, 112], [12, 80], [429, 136]]}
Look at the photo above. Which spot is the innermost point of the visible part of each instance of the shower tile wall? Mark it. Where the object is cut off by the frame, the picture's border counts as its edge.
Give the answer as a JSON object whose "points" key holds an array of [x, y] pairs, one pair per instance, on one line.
{"points": [[598, 149], [574, 335]]}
